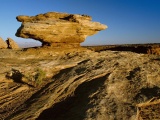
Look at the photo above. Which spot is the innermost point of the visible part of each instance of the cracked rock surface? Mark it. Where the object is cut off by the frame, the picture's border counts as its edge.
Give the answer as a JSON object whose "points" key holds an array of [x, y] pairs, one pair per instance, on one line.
{"points": [[78, 84]]}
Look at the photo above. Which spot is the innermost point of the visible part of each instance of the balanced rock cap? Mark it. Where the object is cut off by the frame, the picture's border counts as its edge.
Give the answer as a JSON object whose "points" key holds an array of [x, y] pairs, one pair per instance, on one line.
{"points": [[53, 27]]}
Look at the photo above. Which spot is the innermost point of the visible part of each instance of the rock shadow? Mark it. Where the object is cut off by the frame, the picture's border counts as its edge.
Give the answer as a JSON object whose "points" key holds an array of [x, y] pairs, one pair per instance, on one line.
{"points": [[74, 107], [15, 75], [147, 94]]}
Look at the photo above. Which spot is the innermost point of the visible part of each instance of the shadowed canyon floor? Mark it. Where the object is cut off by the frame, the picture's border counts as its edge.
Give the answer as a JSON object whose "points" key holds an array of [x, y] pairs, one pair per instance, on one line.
{"points": [[76, 84]]}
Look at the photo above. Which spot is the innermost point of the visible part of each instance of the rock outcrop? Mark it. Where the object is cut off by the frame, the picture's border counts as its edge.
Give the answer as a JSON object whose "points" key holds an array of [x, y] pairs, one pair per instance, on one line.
{"points": [[12, 44], [58, 29], [78, 85], [3, 44]]}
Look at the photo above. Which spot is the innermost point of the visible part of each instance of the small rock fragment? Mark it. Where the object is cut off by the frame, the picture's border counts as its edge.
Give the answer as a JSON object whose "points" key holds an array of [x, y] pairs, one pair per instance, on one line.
{"points": [[3, 44], [12, 44]]}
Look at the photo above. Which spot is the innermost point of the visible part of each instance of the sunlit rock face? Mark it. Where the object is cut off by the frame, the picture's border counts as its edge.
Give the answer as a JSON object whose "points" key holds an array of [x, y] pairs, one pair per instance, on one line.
{"points": [[55, 28], [3, 44], [12, 44]]}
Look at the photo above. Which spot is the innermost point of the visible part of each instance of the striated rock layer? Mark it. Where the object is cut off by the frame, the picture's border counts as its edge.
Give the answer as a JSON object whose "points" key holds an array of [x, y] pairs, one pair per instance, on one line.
{"points": [[60, 29], [78, 85]]}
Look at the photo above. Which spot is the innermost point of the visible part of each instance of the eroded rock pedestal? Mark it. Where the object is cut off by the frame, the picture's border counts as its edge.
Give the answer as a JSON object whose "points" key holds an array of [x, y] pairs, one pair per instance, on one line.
{"points": [[58, 29]]}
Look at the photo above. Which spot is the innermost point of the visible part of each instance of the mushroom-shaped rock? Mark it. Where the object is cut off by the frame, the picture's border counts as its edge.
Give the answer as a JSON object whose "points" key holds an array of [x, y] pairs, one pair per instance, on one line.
{"points": [[55, 28], [3, 44]]}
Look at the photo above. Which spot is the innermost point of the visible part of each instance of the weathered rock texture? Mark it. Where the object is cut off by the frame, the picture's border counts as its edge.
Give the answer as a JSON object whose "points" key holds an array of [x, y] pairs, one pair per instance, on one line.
{"points": [[58, 29], [78, 84], [3, 44], [12, 44], [149, 110]]}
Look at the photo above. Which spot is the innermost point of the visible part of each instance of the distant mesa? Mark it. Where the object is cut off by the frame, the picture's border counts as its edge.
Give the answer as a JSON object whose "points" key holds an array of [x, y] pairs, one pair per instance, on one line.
{"points": [[58, 29], [8, 44]]}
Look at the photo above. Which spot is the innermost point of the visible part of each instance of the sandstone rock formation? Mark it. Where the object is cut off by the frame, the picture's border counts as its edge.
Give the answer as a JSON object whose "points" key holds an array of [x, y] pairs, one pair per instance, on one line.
{"points": [[58, 29], [3, 44], [79, 85], [76, 83], [12, 44]]}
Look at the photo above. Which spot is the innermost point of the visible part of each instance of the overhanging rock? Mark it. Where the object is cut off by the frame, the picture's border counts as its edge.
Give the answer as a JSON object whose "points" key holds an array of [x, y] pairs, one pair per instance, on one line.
{"points": [[58, 29]]}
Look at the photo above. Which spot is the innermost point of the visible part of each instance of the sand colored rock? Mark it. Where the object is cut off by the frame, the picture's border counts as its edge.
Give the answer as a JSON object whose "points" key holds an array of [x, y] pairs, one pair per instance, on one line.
{"points": [[149, 110], [79, 84], [12, 44], [62, 28], [154, 50], [75, 83], [3, 44]]}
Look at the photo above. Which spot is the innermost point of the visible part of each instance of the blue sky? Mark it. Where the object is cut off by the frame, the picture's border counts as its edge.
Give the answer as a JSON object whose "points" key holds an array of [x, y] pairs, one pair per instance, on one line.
{"points": [[128, 21]]}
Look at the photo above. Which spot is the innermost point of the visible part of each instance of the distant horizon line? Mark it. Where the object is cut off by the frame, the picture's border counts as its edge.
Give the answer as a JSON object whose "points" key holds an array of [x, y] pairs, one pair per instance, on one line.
{"points": [[24, 45]]}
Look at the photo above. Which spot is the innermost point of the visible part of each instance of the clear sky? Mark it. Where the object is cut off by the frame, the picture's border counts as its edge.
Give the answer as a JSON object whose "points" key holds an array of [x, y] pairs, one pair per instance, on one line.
{"points": [[128, 21]]}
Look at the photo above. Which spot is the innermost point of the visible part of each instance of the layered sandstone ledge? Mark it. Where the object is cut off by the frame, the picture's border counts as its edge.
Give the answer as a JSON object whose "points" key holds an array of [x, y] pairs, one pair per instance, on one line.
{"points": [[60, 29], [78, 84]]}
